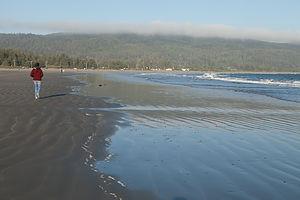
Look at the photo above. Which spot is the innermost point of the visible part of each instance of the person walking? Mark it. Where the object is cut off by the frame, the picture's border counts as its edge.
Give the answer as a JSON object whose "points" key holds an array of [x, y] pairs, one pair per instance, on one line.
{"points": [[37, 74]]}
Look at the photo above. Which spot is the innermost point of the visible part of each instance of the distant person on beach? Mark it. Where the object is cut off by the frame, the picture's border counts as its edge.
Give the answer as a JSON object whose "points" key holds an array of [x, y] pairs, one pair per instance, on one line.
{"points": [[37, 75]]}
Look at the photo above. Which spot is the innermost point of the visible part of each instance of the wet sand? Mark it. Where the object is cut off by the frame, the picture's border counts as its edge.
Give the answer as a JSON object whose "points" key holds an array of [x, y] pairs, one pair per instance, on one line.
{"points": [[188, 143], [46, 144]]}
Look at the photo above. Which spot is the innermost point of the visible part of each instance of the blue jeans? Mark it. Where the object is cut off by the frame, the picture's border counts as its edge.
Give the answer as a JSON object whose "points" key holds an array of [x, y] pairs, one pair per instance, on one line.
{"points": [[37, 88]]}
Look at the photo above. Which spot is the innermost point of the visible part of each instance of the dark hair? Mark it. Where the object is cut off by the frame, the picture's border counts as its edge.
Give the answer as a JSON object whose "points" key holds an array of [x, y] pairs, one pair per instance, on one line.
{"points": [[37, 64]]}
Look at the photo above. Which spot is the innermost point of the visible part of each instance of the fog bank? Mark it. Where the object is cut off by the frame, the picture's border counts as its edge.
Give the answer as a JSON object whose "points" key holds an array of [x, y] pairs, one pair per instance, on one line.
{"points": [[156, 27]]}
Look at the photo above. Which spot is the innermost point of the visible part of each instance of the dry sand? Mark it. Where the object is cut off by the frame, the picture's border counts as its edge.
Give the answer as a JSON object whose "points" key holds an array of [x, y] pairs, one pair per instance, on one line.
{"points": [[41, 141]]}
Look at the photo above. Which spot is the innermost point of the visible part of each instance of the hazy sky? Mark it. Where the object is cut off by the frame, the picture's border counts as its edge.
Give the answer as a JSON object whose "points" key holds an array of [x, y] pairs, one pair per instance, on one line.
{"points": [[277, 20]]}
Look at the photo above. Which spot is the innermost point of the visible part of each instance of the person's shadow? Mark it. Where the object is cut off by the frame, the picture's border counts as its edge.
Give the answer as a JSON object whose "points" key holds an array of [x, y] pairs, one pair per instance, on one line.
{"points": [[54, 95]]}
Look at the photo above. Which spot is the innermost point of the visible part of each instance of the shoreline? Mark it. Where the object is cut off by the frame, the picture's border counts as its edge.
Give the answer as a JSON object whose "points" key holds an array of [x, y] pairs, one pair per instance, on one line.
{"points": [[169, 135], [145, 71], [43, 143]]}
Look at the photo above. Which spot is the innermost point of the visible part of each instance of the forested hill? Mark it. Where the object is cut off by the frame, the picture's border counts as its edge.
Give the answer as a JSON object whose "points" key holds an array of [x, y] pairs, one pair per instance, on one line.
{"points": [[154, 51]]}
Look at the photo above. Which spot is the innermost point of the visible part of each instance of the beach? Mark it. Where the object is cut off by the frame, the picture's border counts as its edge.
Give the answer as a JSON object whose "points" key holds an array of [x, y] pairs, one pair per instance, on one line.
{"points": [[112, 135], [43, 149], [202, 136]]}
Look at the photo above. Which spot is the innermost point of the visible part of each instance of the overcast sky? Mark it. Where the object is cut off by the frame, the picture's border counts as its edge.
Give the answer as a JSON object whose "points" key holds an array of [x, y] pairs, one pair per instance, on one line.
{"points": [[271, 20]]}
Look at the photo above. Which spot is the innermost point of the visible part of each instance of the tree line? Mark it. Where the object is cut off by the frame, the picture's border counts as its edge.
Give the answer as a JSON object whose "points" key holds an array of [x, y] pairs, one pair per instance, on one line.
{"points": [[17, 58], [130, 51]]}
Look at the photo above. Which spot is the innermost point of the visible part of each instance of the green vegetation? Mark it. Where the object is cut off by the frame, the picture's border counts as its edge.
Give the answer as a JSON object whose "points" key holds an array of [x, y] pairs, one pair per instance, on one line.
{"points": [[118, 51], [16, 58]]}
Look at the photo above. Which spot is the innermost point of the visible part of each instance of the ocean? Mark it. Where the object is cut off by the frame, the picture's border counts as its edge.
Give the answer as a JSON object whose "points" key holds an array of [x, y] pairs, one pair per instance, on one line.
{"points": [[281, 86], [191, 136]]}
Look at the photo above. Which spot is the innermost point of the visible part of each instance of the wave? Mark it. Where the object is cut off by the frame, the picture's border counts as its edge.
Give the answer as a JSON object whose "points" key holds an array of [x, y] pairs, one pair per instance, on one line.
{"points": [[229, 78], [279, 86], [222, 77]]}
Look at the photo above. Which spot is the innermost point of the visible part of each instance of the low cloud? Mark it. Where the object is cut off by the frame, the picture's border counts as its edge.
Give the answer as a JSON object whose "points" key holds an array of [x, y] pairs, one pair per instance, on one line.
{"points": [[156, 27]]}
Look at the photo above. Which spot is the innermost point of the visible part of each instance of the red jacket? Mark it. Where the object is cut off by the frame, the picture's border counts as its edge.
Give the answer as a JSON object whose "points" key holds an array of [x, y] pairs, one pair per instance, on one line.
{"points": [[37, 74]]}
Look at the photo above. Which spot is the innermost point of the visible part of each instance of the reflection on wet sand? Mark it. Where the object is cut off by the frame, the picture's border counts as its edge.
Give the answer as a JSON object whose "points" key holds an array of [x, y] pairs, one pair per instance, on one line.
{"points": [[200, 143]]}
